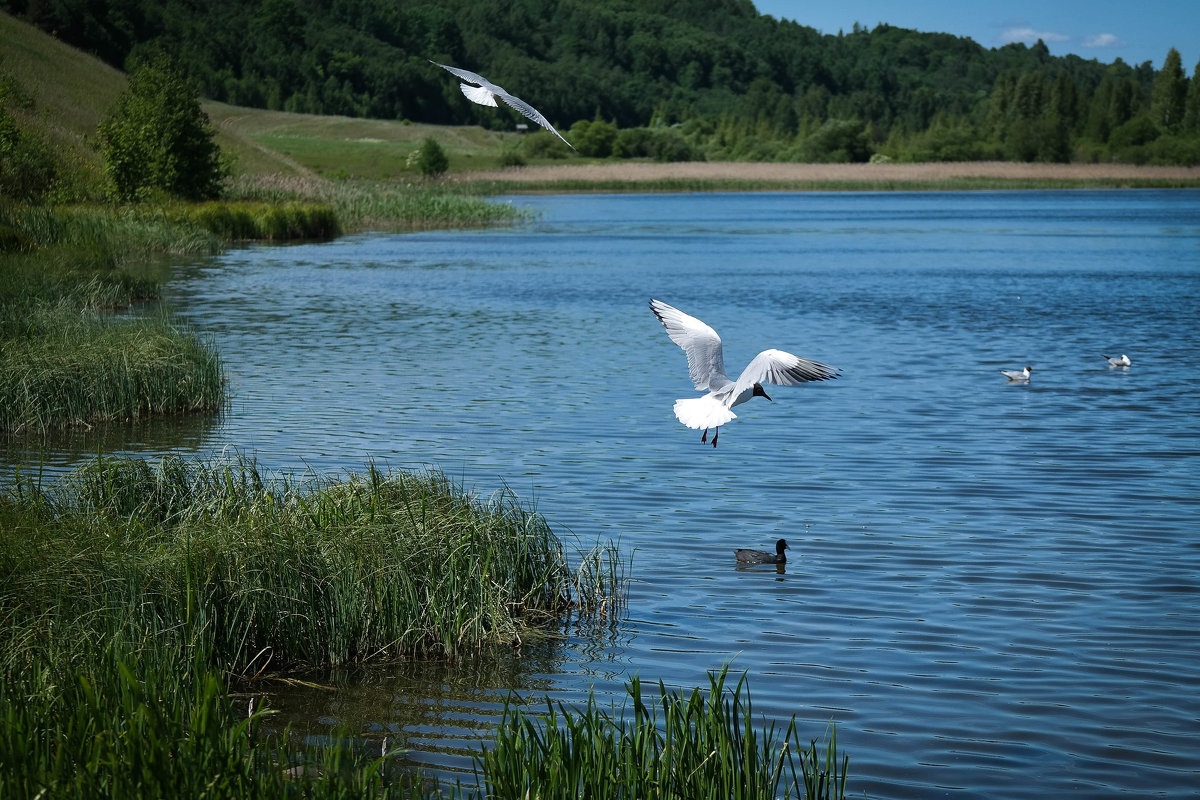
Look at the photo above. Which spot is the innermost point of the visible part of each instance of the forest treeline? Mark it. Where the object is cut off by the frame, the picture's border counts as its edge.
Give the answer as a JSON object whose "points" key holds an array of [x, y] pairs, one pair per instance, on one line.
{"points": [[670, 79]]}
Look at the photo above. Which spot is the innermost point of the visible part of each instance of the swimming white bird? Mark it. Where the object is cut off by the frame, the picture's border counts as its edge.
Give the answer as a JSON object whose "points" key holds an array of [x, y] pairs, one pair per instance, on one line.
{"points": [[706, 365], [1017, 375], [1123, 361], [486, 93]]}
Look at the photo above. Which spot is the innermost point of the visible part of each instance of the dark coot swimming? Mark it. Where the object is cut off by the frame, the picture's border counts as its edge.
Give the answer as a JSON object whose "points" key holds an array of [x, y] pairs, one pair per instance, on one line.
{"points": [[762, 557]]}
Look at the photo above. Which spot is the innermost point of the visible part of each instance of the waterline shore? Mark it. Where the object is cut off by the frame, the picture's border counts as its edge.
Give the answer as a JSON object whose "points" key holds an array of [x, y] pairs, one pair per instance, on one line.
{"points": [[693, 175]]}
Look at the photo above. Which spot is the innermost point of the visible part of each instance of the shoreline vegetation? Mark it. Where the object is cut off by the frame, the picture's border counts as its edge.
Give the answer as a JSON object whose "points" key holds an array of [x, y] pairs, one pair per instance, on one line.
{"points": [[760, 176]]}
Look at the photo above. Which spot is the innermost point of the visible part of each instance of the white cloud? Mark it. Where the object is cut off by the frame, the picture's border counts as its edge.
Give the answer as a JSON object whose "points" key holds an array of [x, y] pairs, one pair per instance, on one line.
{"points": [[1103, 40], [1030, 36]]}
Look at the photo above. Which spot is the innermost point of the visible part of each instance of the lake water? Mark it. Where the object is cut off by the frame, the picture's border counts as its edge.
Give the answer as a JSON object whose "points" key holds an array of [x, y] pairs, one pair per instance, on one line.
{"points": [[994, 588]]}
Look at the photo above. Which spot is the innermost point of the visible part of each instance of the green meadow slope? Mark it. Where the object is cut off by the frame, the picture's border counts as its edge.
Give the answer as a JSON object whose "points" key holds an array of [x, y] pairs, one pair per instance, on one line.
{"points": [[72, 91]]}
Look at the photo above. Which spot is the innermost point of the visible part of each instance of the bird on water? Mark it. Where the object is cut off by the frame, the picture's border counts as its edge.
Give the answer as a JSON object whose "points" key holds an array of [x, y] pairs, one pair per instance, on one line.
{"points": [[763, 557], [1123, 361], [706, 366], [1017, 375]]}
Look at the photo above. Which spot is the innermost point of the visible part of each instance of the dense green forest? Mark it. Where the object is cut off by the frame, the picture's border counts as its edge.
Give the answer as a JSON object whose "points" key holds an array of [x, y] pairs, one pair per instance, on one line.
{"points": [[671, 79]]}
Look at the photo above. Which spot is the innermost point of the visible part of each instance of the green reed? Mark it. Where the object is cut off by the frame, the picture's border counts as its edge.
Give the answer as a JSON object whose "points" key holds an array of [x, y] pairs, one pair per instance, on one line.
{"points": [[385, 205], [263, 221], [61, 366], [265, 573], [688, 746]]}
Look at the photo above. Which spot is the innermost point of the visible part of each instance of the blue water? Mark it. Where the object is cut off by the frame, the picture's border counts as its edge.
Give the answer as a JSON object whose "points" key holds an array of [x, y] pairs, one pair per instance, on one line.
{"points": [[994, 588]]}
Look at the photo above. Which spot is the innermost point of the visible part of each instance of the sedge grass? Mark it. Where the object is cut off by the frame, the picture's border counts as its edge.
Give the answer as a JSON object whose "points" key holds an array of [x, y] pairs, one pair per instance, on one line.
{"points": [[267, 574], [379, 205], [60, 366], [694, 746]]}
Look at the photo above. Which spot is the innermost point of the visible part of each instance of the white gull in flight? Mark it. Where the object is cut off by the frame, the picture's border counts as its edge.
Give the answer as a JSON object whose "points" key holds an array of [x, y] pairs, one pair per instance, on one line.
{"points": [[706, 365], [486, 93]]}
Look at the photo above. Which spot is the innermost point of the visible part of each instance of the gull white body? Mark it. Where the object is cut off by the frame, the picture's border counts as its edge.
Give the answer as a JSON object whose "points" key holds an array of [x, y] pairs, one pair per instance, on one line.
{"points": [[1123, 361], [486, 94], [1017, 375], [706, 366]]}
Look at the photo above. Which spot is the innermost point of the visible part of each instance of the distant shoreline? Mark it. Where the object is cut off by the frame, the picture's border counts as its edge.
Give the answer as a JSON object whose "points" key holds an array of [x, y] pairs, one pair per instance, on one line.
{"points": [[700, 176]]}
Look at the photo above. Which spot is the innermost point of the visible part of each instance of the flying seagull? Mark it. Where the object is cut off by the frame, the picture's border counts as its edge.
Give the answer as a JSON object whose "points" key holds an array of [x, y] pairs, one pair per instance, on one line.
{"points": [[486, 93], [1123, 361], [706, 365], [1017, 375]]}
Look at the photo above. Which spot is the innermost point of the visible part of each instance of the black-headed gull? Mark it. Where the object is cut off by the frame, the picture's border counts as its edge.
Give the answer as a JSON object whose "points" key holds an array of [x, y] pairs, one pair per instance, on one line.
{"points": [[1017, 375], [706, 365], [1123, 361], [763, 557], [486, 93]]}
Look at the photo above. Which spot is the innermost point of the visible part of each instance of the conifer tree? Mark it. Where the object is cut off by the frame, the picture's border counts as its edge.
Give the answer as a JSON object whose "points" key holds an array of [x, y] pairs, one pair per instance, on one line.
{"points": [[1191, 108], [1170, 93]]}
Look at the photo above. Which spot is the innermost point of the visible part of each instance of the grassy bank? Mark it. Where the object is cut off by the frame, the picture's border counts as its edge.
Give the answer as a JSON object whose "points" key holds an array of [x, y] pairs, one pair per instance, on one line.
{"points": [[64, 359]]}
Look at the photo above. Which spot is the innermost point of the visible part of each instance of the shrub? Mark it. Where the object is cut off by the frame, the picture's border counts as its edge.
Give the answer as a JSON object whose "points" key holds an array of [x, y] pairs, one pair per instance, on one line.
{"points": [[594, 138], [543, 144], [156, 137], [837, 141], [431, 160], [27, 170]]}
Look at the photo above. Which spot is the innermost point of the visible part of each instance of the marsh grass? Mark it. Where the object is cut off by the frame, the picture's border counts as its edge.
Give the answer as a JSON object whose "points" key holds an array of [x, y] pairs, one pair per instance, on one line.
{"points": [[262, 221], [690, 746], [64, 361], [267, 574], [114, 727], [377, 205], [61, 366], [748, 176]]}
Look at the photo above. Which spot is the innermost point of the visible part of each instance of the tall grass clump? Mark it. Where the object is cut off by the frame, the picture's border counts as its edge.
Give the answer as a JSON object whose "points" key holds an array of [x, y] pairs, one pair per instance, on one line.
{"points": [[261, 221], [380, 205], [113, 727], [63, 361], [60, 366], [264, 573], [695, 746]]}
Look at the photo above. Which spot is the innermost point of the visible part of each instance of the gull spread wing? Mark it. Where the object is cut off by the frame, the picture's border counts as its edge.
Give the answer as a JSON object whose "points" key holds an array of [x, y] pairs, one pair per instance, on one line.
{"points": [[468, 76], [706, 364], [783, 369], [531, 113]]}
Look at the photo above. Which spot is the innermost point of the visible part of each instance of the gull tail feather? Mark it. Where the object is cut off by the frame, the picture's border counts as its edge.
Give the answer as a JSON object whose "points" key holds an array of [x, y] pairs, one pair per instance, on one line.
{"points": [[702, 412], [478, 94]]}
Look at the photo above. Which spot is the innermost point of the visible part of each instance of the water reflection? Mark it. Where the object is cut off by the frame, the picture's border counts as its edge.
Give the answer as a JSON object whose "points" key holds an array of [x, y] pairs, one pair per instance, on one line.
{"points": [[40, 456]]}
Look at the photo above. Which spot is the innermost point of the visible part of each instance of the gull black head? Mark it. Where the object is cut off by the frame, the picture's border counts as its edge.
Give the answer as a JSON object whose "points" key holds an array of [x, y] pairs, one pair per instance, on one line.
{"points": [[758, 392]]}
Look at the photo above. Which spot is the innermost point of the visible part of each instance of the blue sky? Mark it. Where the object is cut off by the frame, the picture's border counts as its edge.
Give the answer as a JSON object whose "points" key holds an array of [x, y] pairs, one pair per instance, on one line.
{"points": [[1132, 30]]}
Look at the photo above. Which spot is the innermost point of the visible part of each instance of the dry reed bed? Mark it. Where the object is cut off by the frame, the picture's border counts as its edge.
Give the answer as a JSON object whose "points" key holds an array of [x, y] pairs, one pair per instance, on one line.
{"points": [[867, 174]]}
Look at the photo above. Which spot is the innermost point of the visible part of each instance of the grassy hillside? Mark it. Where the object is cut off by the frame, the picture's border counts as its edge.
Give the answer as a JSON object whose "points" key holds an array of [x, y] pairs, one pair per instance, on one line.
{"points": [[72, 91]]}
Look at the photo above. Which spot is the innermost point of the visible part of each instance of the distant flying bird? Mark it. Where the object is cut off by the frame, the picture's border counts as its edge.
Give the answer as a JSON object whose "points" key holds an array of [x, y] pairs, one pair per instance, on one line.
{"points": [[1017, 375], [763, 557], [706, 365], [1123, 361], [486, 93]]}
